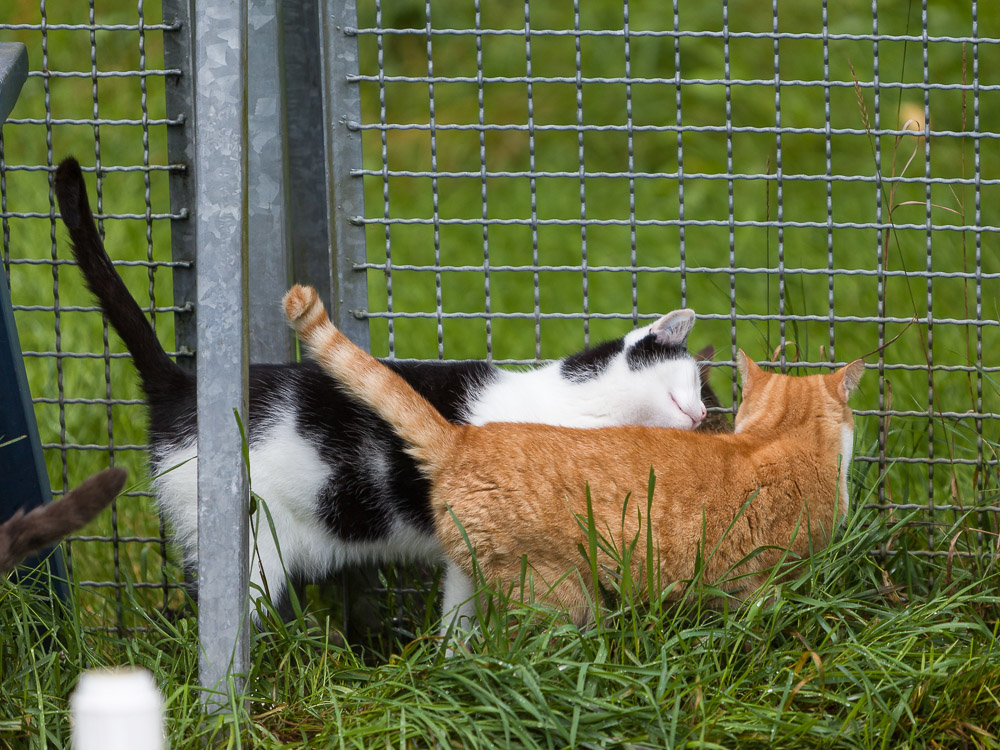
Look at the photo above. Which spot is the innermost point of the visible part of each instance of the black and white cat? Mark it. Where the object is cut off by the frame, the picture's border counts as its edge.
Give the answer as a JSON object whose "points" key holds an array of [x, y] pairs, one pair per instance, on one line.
{"points": [[335, 478]]}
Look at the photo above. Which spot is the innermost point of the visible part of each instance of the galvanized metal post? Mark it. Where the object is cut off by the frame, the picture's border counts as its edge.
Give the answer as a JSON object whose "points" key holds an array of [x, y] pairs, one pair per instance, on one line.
{"points": [[344, 200], [178, 52], [220, 71], [310, 236], [270, 239], [345, 191]]}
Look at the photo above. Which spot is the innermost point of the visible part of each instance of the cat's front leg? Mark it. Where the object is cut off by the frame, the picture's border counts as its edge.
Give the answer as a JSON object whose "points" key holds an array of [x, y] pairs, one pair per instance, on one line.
{"points": [[458, 607]]}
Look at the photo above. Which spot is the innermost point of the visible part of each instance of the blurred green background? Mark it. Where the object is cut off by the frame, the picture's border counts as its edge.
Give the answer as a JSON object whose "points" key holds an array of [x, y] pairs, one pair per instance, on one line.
{"points": [[54, 118]]}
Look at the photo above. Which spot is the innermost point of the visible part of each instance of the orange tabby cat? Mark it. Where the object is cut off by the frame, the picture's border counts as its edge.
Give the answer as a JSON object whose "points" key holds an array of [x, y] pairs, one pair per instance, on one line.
{"points": [[518, 490]]}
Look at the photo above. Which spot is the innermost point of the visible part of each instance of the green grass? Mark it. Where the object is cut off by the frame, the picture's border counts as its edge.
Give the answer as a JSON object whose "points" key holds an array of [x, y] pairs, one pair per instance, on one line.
{"points": [[834, 653], [836, 659]]}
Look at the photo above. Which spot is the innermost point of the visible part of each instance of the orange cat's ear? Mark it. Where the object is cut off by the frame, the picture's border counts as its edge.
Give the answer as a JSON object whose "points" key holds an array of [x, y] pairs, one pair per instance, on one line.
{"points": [[749, 371], [848, 377]]}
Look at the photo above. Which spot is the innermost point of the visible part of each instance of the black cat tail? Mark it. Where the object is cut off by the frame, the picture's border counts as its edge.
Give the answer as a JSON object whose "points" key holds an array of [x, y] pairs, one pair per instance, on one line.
{"points": [[155, 368]]}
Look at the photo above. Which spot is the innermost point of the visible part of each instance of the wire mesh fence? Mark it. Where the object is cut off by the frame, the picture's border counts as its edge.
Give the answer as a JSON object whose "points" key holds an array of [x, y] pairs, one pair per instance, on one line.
{"points": [[95, 90], [808, 178], [538, 177]]}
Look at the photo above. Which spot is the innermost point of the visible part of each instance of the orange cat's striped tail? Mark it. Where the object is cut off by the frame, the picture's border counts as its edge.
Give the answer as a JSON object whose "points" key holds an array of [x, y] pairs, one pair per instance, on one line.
{"points": [[418, 423]]}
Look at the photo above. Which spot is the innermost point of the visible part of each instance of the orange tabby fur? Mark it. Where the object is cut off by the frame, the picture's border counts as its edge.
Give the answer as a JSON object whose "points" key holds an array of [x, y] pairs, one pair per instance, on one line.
{"points": [[519, 489]]}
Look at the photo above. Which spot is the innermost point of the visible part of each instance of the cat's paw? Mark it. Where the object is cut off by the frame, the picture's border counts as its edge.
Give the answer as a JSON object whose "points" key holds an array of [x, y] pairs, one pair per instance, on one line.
{"points": [[303, 309]]}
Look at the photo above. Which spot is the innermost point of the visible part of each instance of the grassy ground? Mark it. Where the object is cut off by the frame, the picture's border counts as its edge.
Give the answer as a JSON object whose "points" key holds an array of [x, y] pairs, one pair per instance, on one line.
{"points": [[837, 663], [836, 656]]}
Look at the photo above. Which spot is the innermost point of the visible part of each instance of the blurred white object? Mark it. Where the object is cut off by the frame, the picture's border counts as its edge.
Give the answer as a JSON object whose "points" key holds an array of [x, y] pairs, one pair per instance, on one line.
{"points": [[117, 709]]}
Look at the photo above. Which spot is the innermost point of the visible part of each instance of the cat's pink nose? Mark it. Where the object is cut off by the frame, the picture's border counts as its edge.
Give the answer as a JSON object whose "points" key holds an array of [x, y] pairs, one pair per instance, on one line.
{"points": [[696, 415]]}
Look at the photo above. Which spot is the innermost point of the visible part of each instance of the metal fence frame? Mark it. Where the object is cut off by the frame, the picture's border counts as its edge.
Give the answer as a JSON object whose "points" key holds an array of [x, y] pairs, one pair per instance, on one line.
{"points": [[280, 160]]}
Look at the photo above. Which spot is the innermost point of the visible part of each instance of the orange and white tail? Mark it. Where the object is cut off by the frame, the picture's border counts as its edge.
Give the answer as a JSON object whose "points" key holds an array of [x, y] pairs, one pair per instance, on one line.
{"points": [[420, 425]]}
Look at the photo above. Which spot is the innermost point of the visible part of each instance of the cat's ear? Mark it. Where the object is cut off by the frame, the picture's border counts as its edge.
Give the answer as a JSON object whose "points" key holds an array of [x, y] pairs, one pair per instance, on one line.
{"points": [[673, 328], [848, 377], [749, 371]]}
